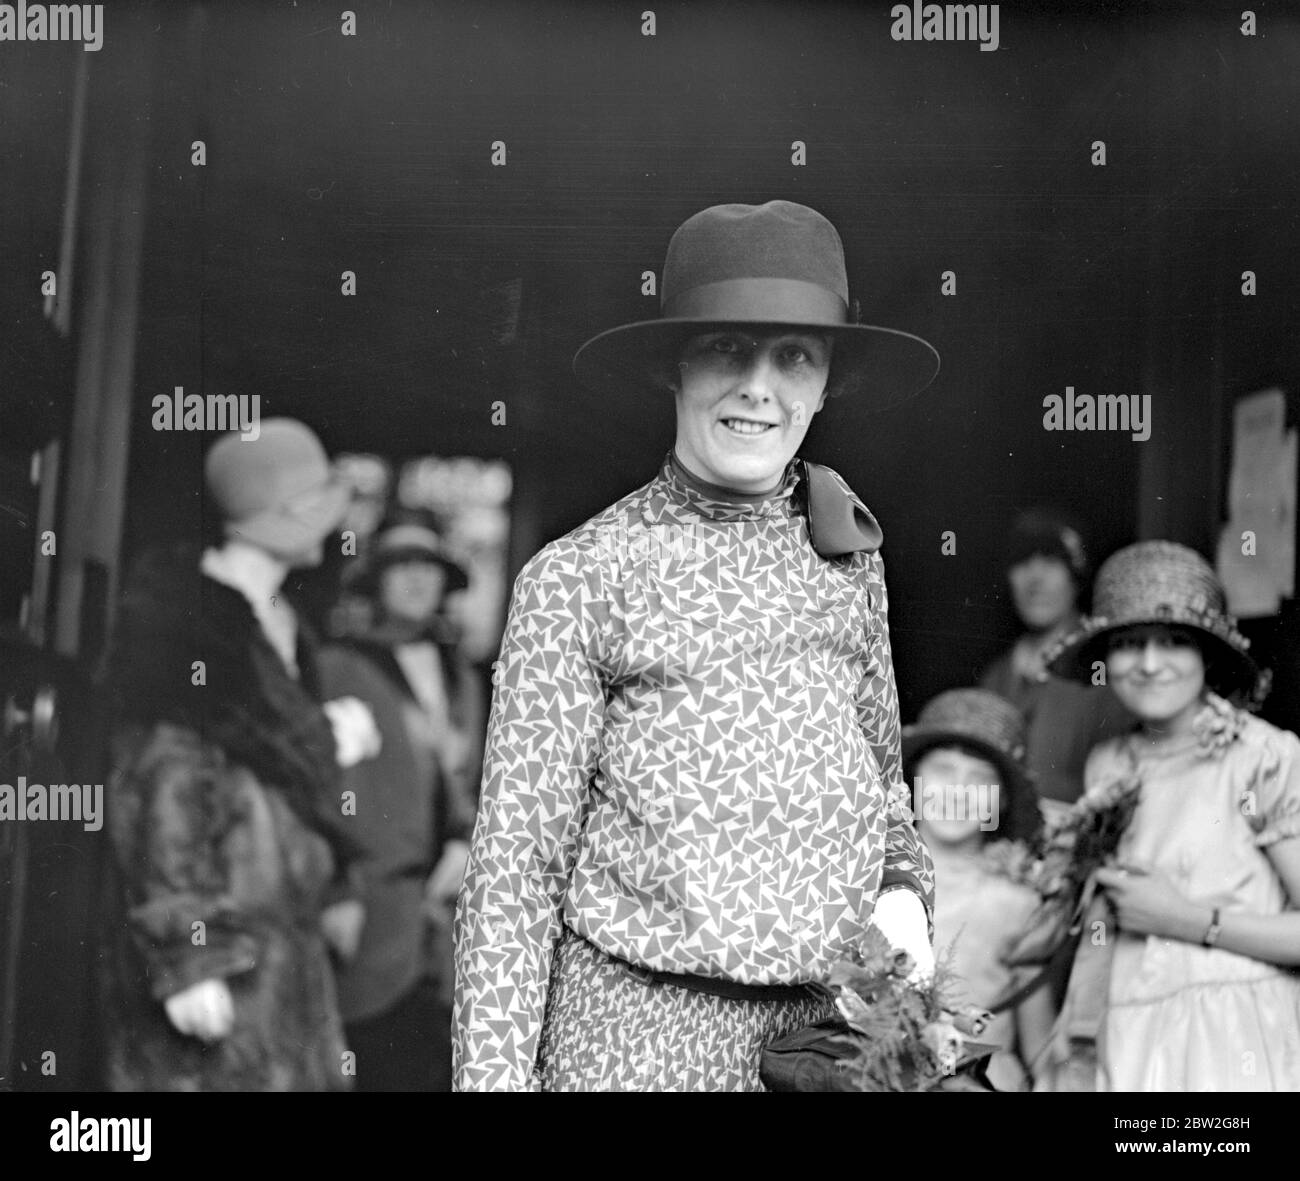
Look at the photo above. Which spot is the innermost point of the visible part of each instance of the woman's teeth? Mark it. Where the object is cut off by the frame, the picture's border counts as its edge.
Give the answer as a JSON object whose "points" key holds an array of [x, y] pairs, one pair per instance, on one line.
{"points": [[744, 427]]}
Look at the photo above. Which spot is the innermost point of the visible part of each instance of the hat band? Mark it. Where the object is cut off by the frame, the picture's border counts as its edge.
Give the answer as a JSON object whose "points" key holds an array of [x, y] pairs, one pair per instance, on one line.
{"points": [[778, 301]]}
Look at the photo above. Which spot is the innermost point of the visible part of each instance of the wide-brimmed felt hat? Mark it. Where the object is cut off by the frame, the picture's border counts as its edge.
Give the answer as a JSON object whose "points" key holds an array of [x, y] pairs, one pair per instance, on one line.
{"points": [[276, 491], [408, 536], [765, 267], [993, 728], [1160, 582]]}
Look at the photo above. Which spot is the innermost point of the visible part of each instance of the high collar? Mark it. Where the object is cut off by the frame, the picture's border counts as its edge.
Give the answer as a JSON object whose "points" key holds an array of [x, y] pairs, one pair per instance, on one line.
{"points": [[685, 490], [839, 523]]}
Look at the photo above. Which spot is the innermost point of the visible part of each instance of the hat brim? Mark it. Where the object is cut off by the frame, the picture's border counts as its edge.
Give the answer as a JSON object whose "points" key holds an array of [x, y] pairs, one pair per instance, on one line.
{"points": [[1076, 653], [880, 367], [289, 532]]}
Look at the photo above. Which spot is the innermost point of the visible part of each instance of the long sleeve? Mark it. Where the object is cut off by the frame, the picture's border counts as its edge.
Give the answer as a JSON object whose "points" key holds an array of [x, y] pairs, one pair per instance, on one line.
{"points": [[542, 746], [907, 861]]}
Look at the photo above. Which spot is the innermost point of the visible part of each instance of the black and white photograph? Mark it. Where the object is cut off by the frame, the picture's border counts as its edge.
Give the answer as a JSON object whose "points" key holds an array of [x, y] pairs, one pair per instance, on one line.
{"points": [[662, 547]]}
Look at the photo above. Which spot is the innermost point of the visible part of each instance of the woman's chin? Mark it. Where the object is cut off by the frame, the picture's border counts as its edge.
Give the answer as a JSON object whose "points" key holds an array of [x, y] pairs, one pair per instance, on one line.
{"points": [[753, 471]]}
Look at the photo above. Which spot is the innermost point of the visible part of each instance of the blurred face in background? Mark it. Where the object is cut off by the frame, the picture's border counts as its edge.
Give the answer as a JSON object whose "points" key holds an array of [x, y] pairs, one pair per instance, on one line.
{"points": [[411, 591], [1157, 672], [956, 795], [745, 400], [1043, 591], [309, 556]]}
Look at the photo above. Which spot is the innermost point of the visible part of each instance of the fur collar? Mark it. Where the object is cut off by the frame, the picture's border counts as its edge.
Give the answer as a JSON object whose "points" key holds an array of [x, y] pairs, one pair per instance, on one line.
{"points": [[173, 616]]}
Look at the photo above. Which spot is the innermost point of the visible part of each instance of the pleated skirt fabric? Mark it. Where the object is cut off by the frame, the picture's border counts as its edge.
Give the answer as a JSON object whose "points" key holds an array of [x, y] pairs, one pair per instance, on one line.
{"points": [[606, 1030]]}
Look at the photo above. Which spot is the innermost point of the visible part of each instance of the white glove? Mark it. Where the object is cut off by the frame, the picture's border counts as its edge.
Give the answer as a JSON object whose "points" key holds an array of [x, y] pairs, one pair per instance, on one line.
{"points": [[900, 918], [356, 736], [205, 1010]]}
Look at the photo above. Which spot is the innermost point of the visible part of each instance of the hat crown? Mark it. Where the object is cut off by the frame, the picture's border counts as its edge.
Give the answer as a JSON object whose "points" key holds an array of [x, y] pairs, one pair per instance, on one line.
{"points": [[778, 240], [982, 715], [251, 476], [1157, 580]]}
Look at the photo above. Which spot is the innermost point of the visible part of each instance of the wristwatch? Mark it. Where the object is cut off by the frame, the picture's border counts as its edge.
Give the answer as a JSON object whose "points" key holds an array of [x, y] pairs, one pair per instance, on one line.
{"points": [[1211, 936]]}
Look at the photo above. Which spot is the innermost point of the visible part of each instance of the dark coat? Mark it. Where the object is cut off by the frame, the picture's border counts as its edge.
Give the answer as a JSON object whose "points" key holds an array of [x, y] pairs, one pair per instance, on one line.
{"points": [[221, 808], [407, 807], [1064, 721]]}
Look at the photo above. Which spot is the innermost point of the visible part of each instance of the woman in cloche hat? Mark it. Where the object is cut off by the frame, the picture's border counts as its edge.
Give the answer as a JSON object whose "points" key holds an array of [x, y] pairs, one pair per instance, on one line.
{"points": [[232, 856], [419, 804], [1198, 989], [692, 800], [966, 761]]}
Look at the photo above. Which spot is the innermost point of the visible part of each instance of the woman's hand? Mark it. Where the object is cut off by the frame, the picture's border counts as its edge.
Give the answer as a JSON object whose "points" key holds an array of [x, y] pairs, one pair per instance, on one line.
{"points": [[1146, 902], [205, 1010], [900, 916]]}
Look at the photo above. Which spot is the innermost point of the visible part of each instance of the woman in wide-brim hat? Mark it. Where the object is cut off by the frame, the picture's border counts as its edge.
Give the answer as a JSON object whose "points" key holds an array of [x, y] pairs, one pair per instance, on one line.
{"points": [[692, 800], [965, 760], [1198, 990]]}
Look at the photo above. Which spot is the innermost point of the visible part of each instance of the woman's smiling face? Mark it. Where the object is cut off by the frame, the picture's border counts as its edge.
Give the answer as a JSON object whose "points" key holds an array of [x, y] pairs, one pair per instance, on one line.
{"points": [[1157, 672], [744, 403]]}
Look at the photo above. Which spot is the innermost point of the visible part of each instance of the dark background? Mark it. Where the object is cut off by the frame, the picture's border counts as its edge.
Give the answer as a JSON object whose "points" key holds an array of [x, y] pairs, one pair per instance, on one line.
{"points": [[372, 154]]}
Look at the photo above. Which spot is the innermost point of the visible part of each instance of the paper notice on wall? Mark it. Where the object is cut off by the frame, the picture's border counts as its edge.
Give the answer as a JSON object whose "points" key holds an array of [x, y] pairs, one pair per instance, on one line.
{"points": [[1256, 555]]}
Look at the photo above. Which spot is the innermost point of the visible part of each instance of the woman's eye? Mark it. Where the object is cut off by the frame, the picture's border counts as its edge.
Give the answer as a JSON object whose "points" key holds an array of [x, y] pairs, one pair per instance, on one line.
{"points": [[726, 344]]}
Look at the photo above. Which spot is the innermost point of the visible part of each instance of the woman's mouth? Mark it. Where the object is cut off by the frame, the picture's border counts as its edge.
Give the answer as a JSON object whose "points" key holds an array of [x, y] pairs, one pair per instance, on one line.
{"points": [[745, 426]]}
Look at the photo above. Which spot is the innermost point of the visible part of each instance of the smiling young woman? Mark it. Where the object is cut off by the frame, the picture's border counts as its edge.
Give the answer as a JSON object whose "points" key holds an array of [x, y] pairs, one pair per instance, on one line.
{"points": [[1198, 989]]}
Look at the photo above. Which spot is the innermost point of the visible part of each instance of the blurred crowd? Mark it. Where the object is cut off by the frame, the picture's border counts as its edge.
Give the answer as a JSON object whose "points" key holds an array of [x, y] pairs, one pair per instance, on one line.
{"points": [[291, 816]]}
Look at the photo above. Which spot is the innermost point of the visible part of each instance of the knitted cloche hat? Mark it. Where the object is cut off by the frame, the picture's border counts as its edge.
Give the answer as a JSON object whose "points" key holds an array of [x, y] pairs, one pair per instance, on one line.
{"points": [[1160, 582]]}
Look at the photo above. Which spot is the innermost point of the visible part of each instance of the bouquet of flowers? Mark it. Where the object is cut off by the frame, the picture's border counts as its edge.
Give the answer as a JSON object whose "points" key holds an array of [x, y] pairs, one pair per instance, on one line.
{"points": [[893, 1034], [1059, 867]]}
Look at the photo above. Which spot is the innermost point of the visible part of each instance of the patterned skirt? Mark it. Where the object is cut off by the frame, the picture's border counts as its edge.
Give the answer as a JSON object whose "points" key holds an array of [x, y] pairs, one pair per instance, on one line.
{"points": [[605, 1030]]}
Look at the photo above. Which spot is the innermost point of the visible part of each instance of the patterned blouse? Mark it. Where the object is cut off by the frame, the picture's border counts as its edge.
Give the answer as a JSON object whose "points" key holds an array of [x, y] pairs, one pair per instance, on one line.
{"points": [[692, 760]]}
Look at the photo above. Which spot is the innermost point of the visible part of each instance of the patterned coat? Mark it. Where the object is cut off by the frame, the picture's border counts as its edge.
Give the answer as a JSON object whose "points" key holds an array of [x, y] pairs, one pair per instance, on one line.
{"points": [[692, 760], [220, 808]]}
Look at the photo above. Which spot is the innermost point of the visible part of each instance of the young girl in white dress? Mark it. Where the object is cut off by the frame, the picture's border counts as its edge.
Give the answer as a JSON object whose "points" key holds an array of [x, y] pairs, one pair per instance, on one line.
{"points": [[1192, 986], [965, 761]]}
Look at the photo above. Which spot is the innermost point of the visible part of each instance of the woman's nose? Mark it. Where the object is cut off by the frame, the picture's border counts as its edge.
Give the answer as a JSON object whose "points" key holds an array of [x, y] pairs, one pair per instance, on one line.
{"points": [[756, 381], [1150, 656]]}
